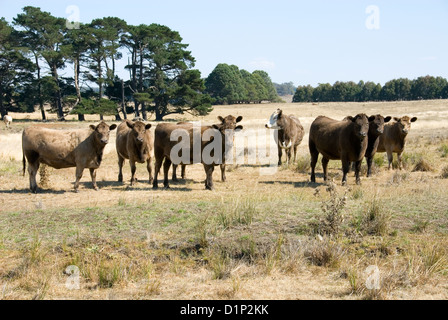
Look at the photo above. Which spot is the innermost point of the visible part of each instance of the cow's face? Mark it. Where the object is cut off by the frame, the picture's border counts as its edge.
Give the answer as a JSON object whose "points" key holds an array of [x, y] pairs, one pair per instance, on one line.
{"points": [[277, 120], [361, 123], [404, 123], [102, 132], [376, 126], [138, 130], [228, 123]]}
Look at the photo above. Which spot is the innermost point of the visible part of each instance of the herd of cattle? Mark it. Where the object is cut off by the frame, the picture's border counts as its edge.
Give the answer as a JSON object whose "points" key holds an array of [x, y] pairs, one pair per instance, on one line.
{"points": [[348, 140]]}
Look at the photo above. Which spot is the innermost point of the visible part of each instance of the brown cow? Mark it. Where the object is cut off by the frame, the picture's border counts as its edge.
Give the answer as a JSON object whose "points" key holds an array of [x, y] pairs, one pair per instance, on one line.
{"points": [[339, 140], [290, 133], [163, 146], [376, 129], [135, 142], [65, 149], [394, 138]]}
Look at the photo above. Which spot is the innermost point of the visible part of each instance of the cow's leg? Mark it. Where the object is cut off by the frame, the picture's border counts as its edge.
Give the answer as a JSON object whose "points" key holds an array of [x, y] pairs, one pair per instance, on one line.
{"points": [[288, 156], [399, 161], [390, 158], [183, 171], [93, 176], [120, 168], [33, 167], [133, 169], [209, 176], [357, 171], [345, 168], [295, 153], [369, 165], [79, 172], [174, 176], [157, 167], [280, 153], [166, 169], [314, 156], [223, 172], [325, 167], [149, 167]]}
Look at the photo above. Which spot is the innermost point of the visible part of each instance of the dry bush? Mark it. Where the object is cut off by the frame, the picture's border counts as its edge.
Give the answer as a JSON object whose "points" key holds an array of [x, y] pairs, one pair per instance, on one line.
{"points": [[444, 172], [423, 165], [323, 253], [375, 219], [332, 209]]}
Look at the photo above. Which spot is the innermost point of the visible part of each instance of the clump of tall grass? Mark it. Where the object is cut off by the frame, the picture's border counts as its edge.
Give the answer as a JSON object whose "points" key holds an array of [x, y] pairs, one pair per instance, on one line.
{"points": [[444, 172], [423, 165], [240, 211], [375, 219], [303, 164], [323, 253], [443, 149]]}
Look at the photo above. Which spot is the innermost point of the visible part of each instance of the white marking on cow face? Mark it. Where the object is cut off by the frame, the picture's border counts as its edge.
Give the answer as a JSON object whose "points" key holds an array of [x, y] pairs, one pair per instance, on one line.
{"points": [[272, 123]]}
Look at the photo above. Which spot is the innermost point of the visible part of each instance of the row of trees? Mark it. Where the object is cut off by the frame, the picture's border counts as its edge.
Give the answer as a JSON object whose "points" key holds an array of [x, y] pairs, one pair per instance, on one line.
{"points": [[227, 84], [427, 87], [37, 46]]}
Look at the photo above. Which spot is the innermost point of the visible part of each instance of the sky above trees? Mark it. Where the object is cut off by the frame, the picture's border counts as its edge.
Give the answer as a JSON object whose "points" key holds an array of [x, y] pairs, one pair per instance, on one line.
{"points": [[306, 42]]}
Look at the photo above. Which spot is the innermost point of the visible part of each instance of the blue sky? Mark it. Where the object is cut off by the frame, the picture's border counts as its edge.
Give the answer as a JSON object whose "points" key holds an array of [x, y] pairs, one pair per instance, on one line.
{"points": [[306, 42]]}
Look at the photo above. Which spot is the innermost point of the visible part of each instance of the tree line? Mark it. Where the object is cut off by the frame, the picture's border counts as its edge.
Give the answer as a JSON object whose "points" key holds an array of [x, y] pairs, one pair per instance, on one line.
{"points": [[37, 46], [227, 84], [422, 88]]}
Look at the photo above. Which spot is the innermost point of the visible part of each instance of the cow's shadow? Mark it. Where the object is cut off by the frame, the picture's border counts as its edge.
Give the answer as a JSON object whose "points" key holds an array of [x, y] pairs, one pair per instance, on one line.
{"points": [[296, 184], [39, 191]]}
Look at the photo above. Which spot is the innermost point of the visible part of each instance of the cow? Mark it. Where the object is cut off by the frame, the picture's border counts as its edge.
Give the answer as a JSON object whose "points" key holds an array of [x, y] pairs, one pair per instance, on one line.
{"points": [[135, 142], [393, 140], [163, 145], [7, 119], [290, 133], [65, 149], [344, 140], [376, 129]]}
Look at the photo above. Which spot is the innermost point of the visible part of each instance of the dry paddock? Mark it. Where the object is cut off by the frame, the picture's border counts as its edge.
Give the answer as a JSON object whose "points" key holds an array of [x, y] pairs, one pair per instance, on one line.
{"points": [[257, 236]]}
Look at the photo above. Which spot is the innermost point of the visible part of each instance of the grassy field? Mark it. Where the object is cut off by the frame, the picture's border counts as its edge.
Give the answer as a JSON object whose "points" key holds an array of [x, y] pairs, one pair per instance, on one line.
{"points": [[255, 237]]}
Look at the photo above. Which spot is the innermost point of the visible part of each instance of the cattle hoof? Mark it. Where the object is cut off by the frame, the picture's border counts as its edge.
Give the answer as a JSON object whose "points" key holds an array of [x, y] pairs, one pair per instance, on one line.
{"points": [[151, 181], [344, 183], [155, 187]]}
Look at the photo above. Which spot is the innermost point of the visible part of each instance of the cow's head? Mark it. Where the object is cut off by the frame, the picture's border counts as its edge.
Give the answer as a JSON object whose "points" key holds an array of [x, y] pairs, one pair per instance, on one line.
{"points": [[102, 131], [404, 123], [138, 130], [228, 123], [376, 126], [361, 124], [277, 120]]}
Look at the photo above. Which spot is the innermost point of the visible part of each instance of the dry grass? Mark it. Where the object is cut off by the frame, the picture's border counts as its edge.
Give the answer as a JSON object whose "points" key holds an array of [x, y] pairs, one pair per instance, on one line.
{"points": [[255, 237]]}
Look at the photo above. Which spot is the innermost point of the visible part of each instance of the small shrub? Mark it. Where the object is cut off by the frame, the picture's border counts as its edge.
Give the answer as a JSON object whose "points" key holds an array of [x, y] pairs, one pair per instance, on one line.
{"points": [[303, 164], [323, 253], [333, 211], [423, 165], [444, 173], [375, 220], [443, 149]]}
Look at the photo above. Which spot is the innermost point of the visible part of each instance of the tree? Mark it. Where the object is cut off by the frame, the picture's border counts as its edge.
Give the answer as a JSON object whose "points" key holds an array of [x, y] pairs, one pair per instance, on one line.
{"points": [[284, 89], [46, 39], [170, 74], [272, 95], [15, 71], [303, 94]]}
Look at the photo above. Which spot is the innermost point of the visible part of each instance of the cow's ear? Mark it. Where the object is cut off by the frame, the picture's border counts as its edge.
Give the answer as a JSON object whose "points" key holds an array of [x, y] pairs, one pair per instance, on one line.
{"points": [[238, 128], [280, 112], [214, 126], [371, 118], [349, 118], [113, 127], [92, 127], [387, 119], [397, 119], [239, 119], [414, 119], [129, 124], [220, 118], [148, 126]]}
